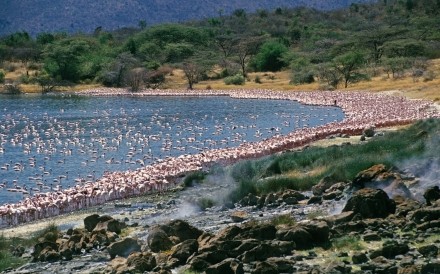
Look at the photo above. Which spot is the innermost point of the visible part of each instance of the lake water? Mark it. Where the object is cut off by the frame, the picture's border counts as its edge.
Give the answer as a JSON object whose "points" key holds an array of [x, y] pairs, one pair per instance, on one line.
{"points": [[53, 142]]}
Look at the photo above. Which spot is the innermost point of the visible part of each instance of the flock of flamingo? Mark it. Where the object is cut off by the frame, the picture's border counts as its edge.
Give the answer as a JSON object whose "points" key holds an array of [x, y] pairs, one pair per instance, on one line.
{"points": [[362, 110]]}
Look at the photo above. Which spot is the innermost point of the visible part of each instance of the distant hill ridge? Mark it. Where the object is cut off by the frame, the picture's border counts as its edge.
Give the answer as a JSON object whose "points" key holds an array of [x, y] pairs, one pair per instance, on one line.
{"points": [[35, 16]]}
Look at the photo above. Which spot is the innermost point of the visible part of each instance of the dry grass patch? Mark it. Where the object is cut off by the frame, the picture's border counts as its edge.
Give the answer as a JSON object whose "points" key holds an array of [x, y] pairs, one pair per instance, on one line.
{"points": [[300, 174]]}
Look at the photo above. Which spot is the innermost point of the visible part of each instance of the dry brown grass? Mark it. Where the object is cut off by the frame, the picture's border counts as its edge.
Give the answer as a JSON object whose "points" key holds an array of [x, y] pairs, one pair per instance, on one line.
{"points": [[405, 86], [306, 173]]}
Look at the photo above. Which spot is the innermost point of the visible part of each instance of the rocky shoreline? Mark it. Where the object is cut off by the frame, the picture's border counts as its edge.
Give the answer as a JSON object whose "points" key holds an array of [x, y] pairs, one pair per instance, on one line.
{"points": [[285, 232]]}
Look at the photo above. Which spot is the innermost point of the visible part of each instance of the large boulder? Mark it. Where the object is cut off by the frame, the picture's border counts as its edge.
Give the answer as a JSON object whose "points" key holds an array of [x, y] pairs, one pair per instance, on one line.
{"points": [[391, 249], [393, 181], [111, 225], [184, 250], [432, 194], [259, 232], [141, 261], [324, 184], [368, 175], [319, 231], [370, 203], [158, 240], [42, 248], [300, 236], [426, 214], [124, 247], [181, 230], [305, 235], [91, 221]]}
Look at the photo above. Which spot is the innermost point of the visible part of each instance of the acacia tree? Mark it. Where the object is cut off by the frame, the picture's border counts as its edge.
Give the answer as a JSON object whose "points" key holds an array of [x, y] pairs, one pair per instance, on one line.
{"points": [[348, 66], [197, 66], [269, 57], [192, 71], [246, 48], [135, 78], [63, 58], [116, 75]]}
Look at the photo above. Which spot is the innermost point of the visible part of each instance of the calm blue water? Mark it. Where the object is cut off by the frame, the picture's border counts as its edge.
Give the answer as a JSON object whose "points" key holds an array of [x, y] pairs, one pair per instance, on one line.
{"points": [[52, 142]]}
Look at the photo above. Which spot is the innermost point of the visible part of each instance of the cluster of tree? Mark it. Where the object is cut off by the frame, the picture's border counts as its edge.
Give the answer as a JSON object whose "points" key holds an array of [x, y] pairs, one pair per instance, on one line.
{"points": [[334, 47]]}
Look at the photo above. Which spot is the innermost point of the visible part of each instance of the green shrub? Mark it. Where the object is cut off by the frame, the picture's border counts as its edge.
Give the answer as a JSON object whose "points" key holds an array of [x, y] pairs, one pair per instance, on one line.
{"points": [[7, 260], [34, 66], [24, 79], [12, 88], [237, 79], [283, 219], [279, 183], [205, 203], [348, 243], [337, 163], [2, 77], [243, 189], [194, 177], [49, 233], [302, 77], [315, 214], [269, 57]]}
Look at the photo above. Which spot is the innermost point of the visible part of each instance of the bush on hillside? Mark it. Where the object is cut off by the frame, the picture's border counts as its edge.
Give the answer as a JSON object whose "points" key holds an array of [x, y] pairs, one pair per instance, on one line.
{"points": [[237, 79]]}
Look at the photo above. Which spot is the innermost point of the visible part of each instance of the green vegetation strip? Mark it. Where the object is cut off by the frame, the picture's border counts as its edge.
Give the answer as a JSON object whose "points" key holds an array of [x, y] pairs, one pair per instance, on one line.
{"points": [[8, 245], [300, 170]]}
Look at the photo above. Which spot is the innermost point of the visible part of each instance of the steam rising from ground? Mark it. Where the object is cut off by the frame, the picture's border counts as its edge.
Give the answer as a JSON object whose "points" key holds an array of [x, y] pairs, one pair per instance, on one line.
{"points": [[426, 168]]}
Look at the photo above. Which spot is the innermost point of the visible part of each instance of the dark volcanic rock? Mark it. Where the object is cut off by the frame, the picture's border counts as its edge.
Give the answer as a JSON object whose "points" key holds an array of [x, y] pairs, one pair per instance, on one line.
{"points": [[391, 249], [141, 261], [428, 250], [259, 232], [91, 221], [370, 203], [315, 200], [111, 225], [227, 266], [44, 251], [359, 258], [300, 236], [425, 215], [322, 186], [319, 231], [181, 229], [265, 268], [305, 235], [432, 194], [158, 240], [124, 247], [368, 175], [184, 250], [369, 132]]}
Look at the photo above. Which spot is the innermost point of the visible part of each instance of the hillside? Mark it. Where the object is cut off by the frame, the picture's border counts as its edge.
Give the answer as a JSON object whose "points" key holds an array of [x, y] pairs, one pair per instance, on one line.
{"points": [[35, 16]]}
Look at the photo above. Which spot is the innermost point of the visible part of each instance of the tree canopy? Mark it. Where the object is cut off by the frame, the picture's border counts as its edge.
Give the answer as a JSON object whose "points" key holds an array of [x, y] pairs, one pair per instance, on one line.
{"points": [[332, 46]]}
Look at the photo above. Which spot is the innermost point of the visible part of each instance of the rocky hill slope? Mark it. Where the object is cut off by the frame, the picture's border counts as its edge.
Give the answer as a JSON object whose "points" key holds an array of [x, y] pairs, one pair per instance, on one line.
{"points": [[36, 16], [284, 232]]}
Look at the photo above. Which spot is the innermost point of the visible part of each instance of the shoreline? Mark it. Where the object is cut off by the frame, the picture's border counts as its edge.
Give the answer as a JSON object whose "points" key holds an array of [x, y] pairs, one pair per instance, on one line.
{"points": [[362, 110], [74, 219]]}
